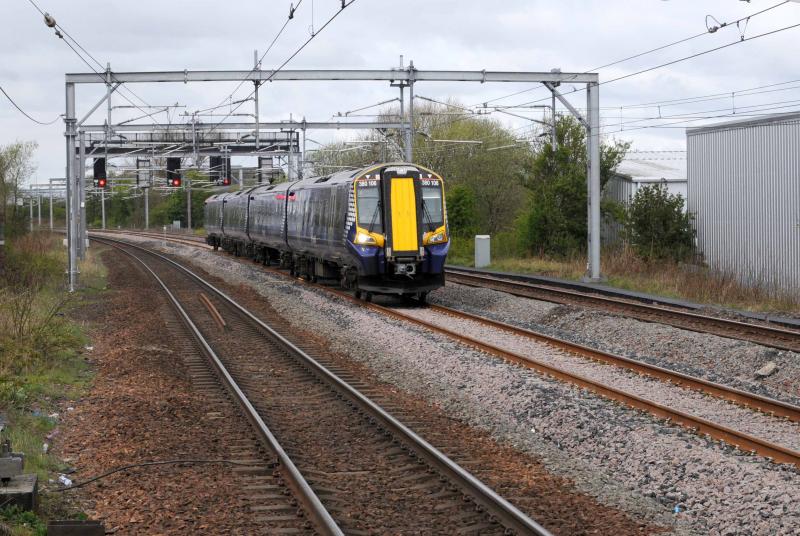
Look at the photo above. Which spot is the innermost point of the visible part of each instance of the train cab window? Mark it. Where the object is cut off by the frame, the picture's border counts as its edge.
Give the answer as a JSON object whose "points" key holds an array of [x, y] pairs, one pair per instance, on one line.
{"points": [[432, 206], [368, 203]]}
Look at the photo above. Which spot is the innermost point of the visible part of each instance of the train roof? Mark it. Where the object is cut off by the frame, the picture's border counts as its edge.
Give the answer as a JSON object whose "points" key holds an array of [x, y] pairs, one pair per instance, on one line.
{"points": [[352, 174], [334, 178]]}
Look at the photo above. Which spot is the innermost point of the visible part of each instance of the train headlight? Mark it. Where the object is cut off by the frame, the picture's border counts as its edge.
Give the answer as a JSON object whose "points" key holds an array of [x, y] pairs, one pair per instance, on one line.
{"points": [[438, 236], [365, 239]]}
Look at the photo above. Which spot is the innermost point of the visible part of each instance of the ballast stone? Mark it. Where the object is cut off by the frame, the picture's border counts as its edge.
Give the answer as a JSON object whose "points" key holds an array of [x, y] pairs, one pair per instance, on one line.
{"points": [[767, 370]]}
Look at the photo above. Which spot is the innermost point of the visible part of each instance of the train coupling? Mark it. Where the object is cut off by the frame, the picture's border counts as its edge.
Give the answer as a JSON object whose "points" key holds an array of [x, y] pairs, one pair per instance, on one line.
{"points": [[405, 269]]}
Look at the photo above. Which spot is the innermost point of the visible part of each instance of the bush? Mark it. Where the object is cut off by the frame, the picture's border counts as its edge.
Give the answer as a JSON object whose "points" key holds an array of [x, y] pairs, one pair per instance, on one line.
{"points": [[461, 211], [32, 301], [657, 226]]}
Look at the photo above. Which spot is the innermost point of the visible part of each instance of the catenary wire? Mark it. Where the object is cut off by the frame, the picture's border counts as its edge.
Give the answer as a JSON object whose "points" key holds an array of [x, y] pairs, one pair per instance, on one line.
{"points": [[292, 10], [282, 65], [23, 112], [662, 47], [673, 62]]}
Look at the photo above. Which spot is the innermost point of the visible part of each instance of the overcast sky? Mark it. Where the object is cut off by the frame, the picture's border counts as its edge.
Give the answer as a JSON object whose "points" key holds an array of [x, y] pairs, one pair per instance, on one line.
{"points": [[528, 35]]}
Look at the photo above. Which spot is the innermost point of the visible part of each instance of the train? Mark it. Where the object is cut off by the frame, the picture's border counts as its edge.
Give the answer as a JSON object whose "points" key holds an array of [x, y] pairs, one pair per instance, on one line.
{"points": [[381, 229]]}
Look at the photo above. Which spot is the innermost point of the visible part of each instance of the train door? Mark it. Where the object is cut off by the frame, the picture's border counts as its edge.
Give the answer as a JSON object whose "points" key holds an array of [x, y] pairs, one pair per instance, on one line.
{"points": [[401, 190]]}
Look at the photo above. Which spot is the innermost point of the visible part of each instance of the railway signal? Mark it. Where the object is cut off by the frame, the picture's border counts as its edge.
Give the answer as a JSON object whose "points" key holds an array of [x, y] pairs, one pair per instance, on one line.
{"points": [[100, 177], [226, 171], [173, 175]]}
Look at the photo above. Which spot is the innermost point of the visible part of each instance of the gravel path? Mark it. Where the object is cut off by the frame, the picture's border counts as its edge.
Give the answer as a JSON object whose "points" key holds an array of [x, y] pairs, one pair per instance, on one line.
{"points": [[718, 359], [622, 456], [756, 424]]}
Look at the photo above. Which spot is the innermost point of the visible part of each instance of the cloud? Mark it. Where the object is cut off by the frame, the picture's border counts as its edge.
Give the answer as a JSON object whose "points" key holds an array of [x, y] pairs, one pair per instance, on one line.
{"points": [[436, 34]]}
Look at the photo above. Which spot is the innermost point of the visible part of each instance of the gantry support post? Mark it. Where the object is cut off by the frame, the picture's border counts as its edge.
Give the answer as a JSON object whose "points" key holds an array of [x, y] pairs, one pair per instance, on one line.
{"points": [[554, 134], [50, 187], [593, 179], [257, 84], [410, 131], [81, 178], [146, 207], [72, 253]]}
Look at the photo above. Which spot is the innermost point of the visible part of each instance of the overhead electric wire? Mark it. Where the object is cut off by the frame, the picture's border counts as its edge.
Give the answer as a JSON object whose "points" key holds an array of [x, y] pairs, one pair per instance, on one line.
{"points": [[745, 111], [709, 97], [65, 32], [662, 47], [23, 112], [292, 9], [60, 30], [673, 62], [290, 58]]}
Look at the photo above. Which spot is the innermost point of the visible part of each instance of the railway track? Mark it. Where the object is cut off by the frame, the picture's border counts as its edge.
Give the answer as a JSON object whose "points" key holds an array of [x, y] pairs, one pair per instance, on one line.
{"points": [[185, 240], [367, 472], [720, 432], [772, 336]]}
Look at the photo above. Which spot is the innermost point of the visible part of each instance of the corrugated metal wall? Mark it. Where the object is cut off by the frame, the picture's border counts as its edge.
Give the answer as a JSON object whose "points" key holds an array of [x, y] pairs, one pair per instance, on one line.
{"points": [[619, 188], [744, 190]]}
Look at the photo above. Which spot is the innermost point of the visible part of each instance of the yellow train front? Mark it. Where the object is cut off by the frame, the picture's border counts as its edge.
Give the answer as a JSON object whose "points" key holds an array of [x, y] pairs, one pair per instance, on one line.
{"points": [[398, 234]]}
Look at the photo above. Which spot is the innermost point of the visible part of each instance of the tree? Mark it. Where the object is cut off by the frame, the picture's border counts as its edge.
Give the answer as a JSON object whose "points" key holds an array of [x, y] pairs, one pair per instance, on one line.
{"points": [[556, 219], [494, 177], [461, 210], [16, 166], [657, 226]]}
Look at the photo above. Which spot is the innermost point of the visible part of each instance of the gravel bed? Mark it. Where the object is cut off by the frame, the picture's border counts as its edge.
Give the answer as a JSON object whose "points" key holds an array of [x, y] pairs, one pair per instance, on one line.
{"points": [[622, 456], [777, 430], [142, 406], [728, 361]]}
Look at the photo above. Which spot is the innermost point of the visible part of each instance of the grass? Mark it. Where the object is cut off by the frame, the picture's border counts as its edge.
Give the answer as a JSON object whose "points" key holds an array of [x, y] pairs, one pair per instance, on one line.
{"points": [[41, 367], [624, 270]]}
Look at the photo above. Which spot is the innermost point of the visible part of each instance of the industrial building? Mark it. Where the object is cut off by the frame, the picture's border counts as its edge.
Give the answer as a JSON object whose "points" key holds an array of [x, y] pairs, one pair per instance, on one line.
{"points": [[744, 191], [642, 168]]}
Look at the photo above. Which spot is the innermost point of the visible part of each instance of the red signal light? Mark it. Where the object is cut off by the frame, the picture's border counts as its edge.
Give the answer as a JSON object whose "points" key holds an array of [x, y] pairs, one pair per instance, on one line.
{"points": [[176, 181], [226, 181], [101, 182]]}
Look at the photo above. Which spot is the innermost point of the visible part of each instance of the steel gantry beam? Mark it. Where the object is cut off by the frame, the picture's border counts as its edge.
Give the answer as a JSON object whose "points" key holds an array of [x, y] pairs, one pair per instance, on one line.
{"points": [[400, 77], [225, 127], [388, 75]]}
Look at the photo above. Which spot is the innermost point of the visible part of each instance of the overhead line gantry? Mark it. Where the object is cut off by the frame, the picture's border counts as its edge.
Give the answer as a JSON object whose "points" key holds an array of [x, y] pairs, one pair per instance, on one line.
{"points": [[403, 77]]}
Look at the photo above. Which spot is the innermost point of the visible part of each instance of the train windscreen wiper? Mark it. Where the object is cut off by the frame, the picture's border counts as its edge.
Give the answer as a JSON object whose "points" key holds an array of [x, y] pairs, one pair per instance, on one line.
{"points": [[374, 216], [426, 215]]}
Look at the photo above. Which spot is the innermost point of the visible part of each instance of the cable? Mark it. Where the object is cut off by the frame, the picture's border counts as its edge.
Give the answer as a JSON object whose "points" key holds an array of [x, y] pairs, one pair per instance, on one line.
{"points": [[65, 32], [147, 464], [742, 110], [60, 30], [673, 62], [292, 9], [709, 97], [680, 41], [23, 112], [282, 65], [593, 69], [728, 115]]}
